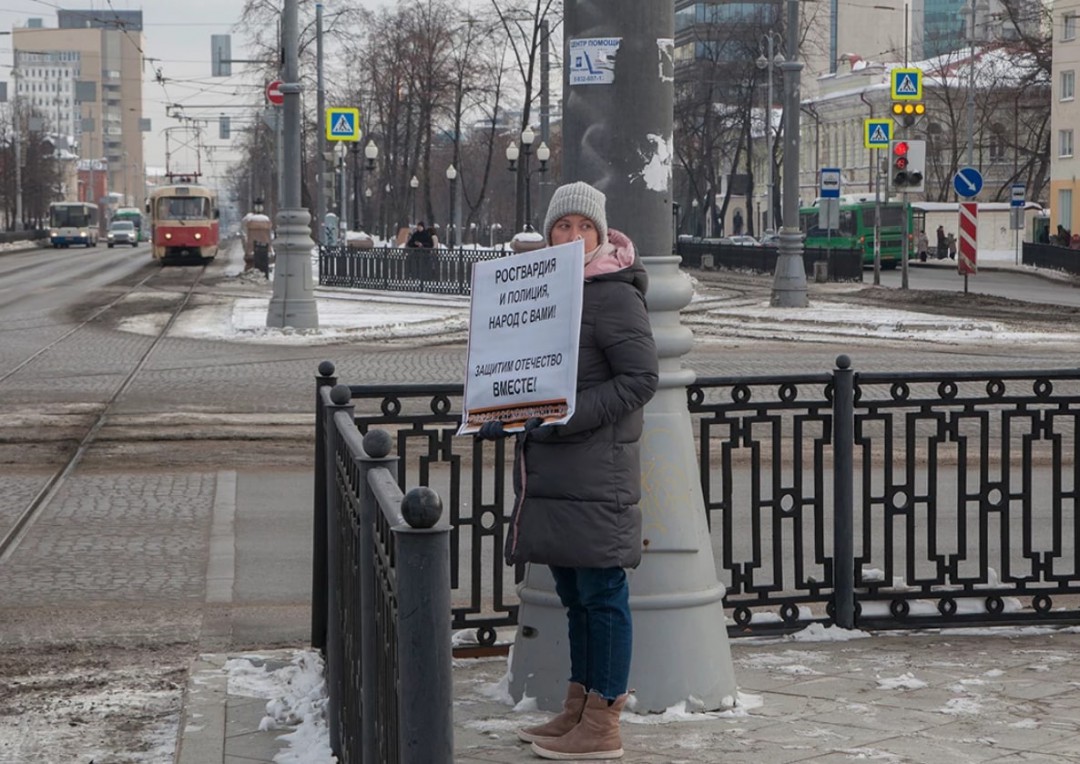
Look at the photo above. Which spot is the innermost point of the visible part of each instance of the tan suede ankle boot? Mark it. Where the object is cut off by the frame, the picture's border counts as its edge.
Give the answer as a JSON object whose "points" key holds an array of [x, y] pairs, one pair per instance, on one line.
{"points": [[596, 736], [564, 721]]}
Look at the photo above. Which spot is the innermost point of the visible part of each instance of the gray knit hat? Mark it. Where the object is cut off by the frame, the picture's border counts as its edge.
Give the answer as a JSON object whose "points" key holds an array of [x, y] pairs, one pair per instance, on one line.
{"points": [[577, 199]]}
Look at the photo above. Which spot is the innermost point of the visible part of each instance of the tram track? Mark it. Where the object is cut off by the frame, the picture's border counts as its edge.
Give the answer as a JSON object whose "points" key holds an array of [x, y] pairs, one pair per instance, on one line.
{"points": [[25, 518]]}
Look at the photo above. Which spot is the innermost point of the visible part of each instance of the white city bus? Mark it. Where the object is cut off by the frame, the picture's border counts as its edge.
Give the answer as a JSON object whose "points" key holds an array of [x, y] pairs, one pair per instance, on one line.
{"points": [[73, 223]]}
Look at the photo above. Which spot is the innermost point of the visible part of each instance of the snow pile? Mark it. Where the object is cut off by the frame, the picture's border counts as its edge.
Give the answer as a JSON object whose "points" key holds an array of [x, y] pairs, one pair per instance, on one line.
{"points": [[296, 695]]}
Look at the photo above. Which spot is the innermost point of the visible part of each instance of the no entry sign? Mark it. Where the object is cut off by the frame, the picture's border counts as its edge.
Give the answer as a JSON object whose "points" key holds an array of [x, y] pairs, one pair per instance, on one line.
{"points": [[274, 94]]}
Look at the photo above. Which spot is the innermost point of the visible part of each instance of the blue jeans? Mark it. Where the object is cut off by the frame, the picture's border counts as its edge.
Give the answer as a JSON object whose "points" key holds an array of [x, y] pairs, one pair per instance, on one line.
{"points": [[597, 602]]}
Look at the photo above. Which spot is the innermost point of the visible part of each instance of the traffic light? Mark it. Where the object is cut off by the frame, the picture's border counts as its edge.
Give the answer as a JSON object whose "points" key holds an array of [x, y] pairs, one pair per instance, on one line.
{"points": [[907, 112], [908, 164]]}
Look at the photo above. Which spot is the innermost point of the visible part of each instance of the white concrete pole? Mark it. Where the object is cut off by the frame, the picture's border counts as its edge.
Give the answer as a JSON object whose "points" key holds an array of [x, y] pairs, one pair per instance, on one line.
{"points": [[618, 137]]}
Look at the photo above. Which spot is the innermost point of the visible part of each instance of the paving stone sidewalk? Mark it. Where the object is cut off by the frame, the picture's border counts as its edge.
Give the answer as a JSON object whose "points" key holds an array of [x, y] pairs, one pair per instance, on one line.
{"points": [[987, 695]]}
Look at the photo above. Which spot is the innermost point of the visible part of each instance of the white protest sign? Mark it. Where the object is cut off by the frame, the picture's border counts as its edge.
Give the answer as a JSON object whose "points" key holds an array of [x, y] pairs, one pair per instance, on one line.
{"points": [[524, 330], [592, 60]]}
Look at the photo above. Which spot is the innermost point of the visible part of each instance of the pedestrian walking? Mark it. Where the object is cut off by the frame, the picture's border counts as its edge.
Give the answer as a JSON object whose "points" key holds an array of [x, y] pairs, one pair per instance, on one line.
{"points": [[942, 243], [922, 246], [577, 485], [951, 244]]}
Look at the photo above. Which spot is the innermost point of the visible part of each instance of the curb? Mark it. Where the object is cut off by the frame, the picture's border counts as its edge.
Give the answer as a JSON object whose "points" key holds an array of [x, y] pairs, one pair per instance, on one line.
{"points": [[201, 736], [998, 267]]}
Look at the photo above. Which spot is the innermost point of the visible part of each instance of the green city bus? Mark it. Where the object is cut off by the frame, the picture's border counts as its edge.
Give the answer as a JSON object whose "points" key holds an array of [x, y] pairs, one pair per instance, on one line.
{"points": [[856, 229]]}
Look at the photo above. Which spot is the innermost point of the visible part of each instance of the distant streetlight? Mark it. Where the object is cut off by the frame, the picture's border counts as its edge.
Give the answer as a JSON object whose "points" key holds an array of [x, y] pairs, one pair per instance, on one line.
{"points": [[371, 153], [543, 153], [414, 184], [452, 234], [693, 217]]}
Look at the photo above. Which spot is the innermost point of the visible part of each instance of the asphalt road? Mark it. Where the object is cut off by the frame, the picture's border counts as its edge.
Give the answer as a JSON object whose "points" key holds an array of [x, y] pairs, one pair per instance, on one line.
{"points": [[1010, 283]]}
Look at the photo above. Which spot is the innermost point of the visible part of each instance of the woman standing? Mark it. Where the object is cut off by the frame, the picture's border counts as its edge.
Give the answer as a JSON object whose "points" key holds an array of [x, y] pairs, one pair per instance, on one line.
{"points": [[577, 485]]}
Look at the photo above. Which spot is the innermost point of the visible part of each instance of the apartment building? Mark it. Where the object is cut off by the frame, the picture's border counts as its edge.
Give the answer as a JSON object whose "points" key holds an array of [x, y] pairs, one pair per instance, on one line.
{"points": [[1065, 119], [83, 78]]}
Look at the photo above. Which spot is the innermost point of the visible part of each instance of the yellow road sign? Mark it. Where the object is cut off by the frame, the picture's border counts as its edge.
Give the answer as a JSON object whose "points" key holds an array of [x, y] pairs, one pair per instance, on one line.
{"points": [[342, 124]]}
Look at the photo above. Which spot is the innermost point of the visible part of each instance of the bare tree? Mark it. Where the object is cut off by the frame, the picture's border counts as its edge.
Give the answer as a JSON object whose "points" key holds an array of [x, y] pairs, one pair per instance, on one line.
{"points": [[523, 21], [1009, 88]]}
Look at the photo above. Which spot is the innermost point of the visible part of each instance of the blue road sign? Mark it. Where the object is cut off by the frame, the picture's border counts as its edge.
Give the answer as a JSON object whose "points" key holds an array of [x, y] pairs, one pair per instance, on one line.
{"points": [[830, 183], [967, 182]]}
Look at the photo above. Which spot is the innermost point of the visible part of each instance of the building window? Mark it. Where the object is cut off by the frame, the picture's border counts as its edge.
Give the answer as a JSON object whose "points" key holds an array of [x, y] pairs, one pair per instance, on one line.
{"points": [[1068, 85], [1065, 143], [1064, 210], [1068, 27], [998, 142]]}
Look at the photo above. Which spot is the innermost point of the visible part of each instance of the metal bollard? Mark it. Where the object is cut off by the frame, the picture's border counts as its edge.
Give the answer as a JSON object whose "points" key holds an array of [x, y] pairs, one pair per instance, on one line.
{"points": [[843, 492]]}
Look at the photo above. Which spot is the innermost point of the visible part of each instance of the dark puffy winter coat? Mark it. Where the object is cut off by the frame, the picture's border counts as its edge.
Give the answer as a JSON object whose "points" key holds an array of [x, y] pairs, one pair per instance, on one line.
{"points": [[577, 485]]}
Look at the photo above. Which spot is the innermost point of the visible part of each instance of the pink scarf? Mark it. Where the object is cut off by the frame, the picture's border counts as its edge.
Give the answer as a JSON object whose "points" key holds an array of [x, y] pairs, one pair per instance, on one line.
{"points": [[613, 255]]}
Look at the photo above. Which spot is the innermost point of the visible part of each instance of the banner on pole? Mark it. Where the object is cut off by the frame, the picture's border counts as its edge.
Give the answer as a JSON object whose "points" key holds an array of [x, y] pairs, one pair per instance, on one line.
{"points": [[524, 332], [968, 240]]}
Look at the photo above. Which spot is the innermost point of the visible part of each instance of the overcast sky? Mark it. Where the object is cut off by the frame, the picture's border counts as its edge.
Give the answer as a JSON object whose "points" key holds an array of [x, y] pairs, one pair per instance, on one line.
{"points": [[177, 42]]}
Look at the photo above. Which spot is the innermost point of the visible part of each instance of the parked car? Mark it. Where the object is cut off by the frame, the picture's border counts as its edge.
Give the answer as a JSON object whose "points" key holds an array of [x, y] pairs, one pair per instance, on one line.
{"points": [[742, 240], [770, 240], [122, 232]]}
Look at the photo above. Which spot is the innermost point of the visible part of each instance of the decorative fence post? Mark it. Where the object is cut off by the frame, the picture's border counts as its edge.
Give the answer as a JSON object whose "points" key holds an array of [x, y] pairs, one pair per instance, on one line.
{"points": [[340, 401], [376, 446], [843, 487], [326, 378], [425, 702]]}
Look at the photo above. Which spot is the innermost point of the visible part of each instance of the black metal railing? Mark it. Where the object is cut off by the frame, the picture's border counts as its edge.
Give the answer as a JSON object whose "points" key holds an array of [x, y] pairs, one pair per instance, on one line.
{"points": [[946, 498], [1052, 257], [400, 269], [385, 585], [843, 264], [449, 271]]}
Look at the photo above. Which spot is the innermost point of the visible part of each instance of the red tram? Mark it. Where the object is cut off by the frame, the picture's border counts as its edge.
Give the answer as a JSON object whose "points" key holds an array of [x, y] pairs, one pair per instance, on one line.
{"points": [[183, 222]]}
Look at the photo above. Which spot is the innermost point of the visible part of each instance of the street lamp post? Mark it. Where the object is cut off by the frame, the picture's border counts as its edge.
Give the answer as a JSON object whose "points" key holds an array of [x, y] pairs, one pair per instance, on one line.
{"points": [[693, 217], [767, 62], [293, 302], [414, 184], [452, 234], [789, 278], [543, 153], [371, 153]]}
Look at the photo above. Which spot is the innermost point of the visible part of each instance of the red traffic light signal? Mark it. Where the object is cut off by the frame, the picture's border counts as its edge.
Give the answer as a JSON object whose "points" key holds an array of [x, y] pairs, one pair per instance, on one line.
{"points": [[900, 150], [909, 160]]}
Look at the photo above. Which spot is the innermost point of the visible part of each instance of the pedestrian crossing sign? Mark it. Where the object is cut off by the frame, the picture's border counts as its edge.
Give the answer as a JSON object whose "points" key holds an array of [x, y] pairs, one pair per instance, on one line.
{"points": [[877, 133], [342, 124], [906, 84]]}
